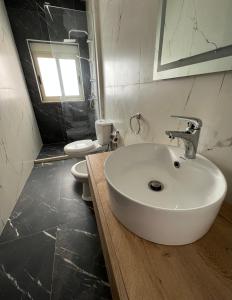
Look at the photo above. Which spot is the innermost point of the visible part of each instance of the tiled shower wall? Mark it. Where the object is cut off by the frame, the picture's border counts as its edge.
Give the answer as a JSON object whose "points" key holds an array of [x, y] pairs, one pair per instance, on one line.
{"points": [[20, 140], [127, 29], [58, 122]]}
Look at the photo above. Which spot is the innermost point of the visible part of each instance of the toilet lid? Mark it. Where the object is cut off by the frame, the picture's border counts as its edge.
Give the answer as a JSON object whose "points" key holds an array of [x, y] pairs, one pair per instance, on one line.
{"points": [[80, 146]]}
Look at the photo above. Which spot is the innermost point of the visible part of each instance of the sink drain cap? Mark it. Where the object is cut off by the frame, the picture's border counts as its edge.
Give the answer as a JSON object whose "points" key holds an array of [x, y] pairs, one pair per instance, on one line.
{"points": [[155, 185]]}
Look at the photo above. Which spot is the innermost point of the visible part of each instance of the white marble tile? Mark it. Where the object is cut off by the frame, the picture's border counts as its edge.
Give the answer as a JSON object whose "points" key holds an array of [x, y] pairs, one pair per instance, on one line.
{"points": [[128, 86], [188, 32], [128, 49], [20, 140]]}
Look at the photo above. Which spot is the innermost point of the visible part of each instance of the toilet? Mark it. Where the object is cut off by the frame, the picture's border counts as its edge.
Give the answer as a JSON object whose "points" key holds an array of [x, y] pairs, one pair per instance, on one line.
{"points": [[79, 171], [79, 149]]}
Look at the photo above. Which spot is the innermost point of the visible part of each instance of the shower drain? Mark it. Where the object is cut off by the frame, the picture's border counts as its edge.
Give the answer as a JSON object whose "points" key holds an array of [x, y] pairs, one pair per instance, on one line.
{"points": [[155, 185]]}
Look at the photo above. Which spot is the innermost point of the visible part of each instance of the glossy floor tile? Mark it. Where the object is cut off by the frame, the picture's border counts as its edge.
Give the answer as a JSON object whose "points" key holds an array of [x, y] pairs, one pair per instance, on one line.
{"points": [[50, 247], [79, 267], [51, 197], [51, 150], [26, 267]]}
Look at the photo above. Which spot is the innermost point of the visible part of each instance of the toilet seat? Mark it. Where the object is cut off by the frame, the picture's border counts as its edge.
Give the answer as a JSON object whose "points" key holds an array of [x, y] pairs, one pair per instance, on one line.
{"points": [[81, 148]]}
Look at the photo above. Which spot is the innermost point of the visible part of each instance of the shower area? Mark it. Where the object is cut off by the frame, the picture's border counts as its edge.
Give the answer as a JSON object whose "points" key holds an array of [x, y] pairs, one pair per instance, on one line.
{"points": [[57, 52]]}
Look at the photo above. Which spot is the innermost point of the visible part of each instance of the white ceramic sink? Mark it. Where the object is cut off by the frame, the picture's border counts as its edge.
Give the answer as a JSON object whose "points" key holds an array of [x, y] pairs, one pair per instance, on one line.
{"points": [[186, 207]]}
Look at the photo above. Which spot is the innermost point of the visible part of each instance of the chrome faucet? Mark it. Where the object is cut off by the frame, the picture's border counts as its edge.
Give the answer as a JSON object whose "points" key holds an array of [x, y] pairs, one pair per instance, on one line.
{"points": [[190, 136]]}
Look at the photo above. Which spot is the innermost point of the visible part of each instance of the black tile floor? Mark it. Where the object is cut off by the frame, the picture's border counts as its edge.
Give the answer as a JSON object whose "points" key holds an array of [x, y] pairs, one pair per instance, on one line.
{"points": [[52, 150], [50, 247]]}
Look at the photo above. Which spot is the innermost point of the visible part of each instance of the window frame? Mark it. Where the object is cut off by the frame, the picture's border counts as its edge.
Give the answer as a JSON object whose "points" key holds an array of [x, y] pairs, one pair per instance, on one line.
{"points": [[48, 54]]}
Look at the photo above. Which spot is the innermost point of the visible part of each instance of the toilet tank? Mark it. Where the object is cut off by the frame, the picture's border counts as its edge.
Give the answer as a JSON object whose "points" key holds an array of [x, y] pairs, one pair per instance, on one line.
{"points": [[103, 131]]}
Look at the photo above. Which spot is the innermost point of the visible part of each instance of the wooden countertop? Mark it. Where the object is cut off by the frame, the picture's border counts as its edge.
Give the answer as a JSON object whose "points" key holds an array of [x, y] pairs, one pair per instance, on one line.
{"points": [[142, 270]]}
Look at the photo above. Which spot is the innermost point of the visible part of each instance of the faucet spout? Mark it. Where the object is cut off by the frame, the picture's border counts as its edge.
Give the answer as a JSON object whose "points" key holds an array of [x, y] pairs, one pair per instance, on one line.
{"points": [[179, 134], [175, 134], [190, 136]]}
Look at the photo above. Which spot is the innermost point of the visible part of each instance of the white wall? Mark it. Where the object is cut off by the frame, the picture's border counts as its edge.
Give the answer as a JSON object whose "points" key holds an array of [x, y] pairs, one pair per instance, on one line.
{"points": [[20, 140], [95, 56], [127, 30]]}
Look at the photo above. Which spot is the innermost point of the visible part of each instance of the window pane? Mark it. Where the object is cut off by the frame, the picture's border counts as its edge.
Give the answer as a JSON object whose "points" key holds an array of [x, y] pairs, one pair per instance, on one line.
{"points": [[69, 77], [50, 78]]}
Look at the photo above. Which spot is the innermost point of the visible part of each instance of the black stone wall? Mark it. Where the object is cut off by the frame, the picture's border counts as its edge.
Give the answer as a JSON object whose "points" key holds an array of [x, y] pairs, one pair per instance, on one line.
{"points": [[58, 122]]}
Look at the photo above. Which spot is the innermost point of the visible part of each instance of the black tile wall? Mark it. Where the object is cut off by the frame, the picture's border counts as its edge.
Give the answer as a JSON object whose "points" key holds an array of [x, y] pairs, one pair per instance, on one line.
{"points": [[58, 122]]}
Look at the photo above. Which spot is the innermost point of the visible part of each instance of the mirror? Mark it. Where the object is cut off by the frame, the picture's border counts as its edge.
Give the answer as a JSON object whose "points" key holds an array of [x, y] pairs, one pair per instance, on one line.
{"points": [[193, 37]]}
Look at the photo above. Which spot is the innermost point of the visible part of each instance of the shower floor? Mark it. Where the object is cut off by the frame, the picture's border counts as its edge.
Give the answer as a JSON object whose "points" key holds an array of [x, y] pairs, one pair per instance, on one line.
{"points": [[50, 247]]}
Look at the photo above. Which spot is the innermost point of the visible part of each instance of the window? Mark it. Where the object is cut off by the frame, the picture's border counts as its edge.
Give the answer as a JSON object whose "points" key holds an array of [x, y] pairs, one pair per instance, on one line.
{"points": [[58, 71]]}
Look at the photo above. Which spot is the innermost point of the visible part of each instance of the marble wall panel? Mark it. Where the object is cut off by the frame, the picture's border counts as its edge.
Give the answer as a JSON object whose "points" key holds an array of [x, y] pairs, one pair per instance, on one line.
{"points": [[20, 139], [29, 21], [128, 29]]}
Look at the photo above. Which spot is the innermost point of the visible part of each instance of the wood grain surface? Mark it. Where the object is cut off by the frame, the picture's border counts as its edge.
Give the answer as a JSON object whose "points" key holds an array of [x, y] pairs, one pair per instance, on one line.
{"points": [[142, 270]]}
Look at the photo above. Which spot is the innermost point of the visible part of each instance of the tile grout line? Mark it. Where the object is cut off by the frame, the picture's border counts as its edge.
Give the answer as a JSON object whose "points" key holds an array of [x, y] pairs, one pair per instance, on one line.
{"points": [[54, 256], [53, 265], [28, 236]]}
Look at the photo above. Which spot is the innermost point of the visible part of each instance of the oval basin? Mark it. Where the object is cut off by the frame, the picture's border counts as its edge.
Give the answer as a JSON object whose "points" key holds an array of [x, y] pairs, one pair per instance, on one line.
{"points": [[161, 196]]}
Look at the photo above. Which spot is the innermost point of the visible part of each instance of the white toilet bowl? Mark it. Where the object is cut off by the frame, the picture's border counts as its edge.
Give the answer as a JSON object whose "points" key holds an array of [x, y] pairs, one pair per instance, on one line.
{"points": [[79, 171]]}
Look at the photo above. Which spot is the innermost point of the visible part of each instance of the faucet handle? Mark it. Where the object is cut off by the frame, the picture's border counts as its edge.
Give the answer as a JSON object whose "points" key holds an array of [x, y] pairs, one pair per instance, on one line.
{"points": [[197, 123]]}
